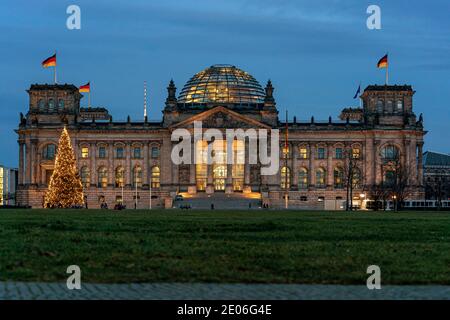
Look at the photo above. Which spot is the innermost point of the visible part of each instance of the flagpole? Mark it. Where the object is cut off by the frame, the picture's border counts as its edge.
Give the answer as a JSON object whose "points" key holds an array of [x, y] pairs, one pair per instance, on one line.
{"points": [[54, 70], [387, 74], [89, 95], [387, 68]]}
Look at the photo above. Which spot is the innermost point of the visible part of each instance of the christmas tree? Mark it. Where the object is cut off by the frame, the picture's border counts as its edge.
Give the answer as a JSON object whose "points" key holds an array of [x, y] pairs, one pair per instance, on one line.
{"points": [[65, 189]]}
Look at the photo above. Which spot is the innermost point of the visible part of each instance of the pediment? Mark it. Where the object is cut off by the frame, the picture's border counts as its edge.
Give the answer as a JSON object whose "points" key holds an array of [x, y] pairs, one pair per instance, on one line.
{"points": [[221, 117]]}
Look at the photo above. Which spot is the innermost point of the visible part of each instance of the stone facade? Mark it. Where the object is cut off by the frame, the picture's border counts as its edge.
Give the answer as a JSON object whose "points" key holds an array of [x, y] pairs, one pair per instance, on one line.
{"points": [[316, 157]]}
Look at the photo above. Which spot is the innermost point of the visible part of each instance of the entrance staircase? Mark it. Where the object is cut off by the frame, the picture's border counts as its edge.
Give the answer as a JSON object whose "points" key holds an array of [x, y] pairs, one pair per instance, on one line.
{"points": [[221, 201]]}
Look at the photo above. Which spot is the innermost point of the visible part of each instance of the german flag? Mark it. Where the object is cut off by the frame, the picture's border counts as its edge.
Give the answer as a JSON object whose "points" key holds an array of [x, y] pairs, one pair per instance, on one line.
{"points": [[86, 87], [49, 62], [383, 63]]}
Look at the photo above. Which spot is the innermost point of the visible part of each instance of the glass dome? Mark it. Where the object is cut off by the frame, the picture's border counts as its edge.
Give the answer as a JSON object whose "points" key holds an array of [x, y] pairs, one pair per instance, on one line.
{"points": [[222, 84]]}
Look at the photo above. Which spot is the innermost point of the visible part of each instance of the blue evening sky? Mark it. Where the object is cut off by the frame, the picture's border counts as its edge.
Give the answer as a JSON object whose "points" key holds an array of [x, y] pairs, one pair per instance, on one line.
{"points": [[315, 53]]}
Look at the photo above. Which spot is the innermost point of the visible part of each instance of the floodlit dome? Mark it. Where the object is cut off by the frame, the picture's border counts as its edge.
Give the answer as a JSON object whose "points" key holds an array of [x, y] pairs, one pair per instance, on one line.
{"points": [[222, 84]]}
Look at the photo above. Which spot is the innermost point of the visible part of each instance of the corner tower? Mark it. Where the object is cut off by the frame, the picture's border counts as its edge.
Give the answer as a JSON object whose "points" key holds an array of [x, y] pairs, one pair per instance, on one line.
{"points": [[53, 103], [388, 105]]}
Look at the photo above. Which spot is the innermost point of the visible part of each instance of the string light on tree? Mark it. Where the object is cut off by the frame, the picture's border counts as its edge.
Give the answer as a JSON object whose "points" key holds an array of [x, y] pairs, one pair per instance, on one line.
{"points": [[65, 189]]}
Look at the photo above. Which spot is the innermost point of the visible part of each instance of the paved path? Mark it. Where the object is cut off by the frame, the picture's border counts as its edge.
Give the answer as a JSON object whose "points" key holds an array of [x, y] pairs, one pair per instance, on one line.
{"points": [[182, 291]]}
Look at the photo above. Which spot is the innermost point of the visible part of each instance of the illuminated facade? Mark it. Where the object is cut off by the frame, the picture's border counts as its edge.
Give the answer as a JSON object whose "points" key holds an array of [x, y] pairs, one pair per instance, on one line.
{"points": [[130, 161]]}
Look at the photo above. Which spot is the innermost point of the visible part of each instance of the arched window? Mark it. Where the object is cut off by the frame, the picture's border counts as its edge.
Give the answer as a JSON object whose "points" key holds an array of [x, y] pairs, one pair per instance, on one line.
{"points": [[41, 105], [60, 104], [85, 152], [137, 152], [137, 176], [51, 105], [356, 153], [303, 179], [338, 178], [389, 152], [380, 105], [156, 177], [321, 153], [49, 151], [120, 153], [399, 105], [285, 178], [390, 106], [120, 176], [102, 152], [356, 178], [85, 177], [303, 152], [102, 177], [320, 178]]}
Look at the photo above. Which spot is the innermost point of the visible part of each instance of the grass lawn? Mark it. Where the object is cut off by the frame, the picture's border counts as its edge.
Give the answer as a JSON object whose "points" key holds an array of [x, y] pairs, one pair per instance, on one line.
{"points": [[225, 246]]}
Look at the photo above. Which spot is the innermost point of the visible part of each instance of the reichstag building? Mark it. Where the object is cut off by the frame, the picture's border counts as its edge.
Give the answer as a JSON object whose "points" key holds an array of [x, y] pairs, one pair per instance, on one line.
{"points": [[129, 161]]}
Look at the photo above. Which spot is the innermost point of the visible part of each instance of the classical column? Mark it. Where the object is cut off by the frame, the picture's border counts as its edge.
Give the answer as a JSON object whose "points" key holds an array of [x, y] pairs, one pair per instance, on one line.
{"points": [[247, 186], [210, 179], [330, 172], [128, 164], [21, 167], [420, 163], [311, 179], [229, 180], [33, 162], [145, 167], [378, 163], [93, 162], [175, 175], [369, 161], [111, 169], [38, 166], [192, 188], [294, 168], [28, 162]]}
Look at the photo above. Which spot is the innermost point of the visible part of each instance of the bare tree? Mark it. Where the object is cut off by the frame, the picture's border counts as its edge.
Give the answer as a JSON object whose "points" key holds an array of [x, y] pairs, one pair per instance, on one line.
{"points": [[352, 176], [379, 194], [397, 179], [436, 188]]}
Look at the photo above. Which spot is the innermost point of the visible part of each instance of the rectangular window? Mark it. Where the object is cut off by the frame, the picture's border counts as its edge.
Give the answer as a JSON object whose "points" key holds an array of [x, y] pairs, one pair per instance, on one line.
{"points": [[338, 153], [356, 153], [155, 152], [84, 152], [285, 151], [321, 153], [119, 152], [303, 153], [137, 153], [102, 152]]}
